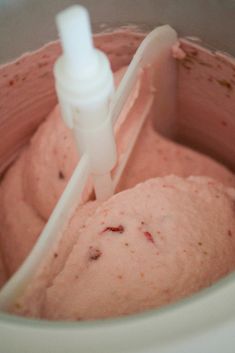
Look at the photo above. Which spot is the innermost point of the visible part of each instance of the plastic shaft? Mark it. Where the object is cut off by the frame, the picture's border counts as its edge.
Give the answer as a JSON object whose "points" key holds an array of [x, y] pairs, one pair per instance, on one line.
{"points": [[76, 39], [84, 84]]}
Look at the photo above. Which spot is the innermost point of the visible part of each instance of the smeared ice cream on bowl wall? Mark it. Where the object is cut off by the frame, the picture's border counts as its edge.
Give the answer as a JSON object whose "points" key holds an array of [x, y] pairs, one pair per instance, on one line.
{"points": [[168, 231]]}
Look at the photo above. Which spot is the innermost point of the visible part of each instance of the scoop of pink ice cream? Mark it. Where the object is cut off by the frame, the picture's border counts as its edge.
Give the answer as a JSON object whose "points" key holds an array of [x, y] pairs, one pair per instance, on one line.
{"points": [[33, 185], [143, 248]]}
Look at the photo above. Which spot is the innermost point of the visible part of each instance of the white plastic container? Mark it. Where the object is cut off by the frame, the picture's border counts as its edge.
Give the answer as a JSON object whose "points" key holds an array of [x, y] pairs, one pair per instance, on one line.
{"points": [[203, 323]]}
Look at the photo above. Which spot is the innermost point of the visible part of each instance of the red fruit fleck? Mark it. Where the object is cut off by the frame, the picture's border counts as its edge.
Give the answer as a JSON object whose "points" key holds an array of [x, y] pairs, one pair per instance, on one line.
{"points": [[94, 254], [18, 306], [149, 237], [42, 64], [61, 175], [168, 186], [194, 52], [119, 229], [225, 84], [229, 233]]}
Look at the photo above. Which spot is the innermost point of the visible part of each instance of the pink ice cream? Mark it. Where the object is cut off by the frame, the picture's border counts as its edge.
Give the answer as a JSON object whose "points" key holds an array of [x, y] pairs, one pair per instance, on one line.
{"points": [[33, 185], [148, 239], [143, 248]]}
